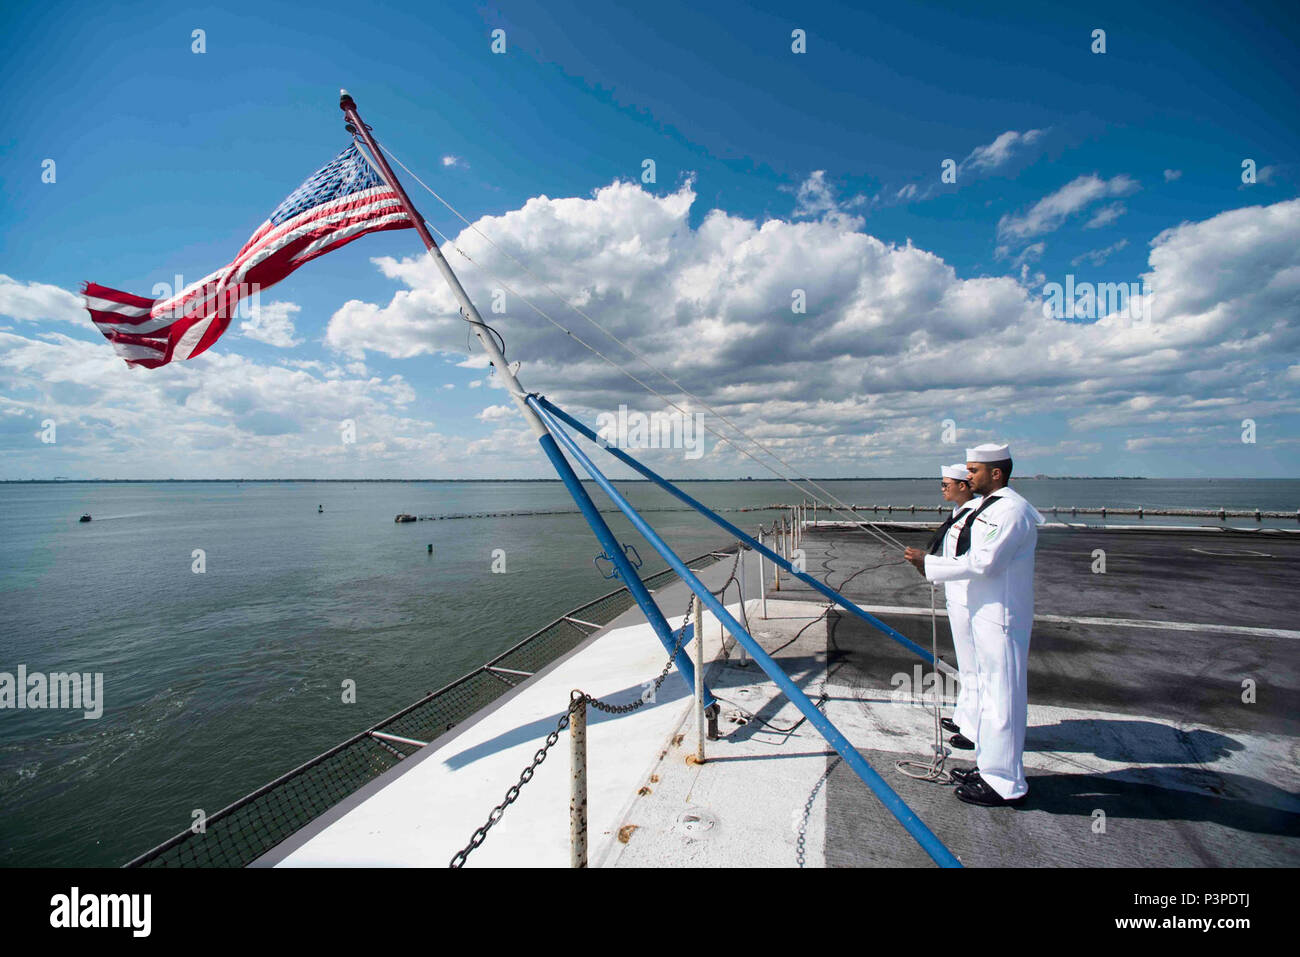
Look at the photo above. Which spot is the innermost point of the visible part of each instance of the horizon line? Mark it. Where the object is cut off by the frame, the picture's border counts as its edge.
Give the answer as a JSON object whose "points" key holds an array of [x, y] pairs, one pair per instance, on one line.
{"points": [[859, 478]]}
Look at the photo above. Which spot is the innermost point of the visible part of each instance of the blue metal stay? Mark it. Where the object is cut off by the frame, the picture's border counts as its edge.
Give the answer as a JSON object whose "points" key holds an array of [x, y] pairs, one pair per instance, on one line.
{"points": [[622, 564], [717, 519], [896, 806]]}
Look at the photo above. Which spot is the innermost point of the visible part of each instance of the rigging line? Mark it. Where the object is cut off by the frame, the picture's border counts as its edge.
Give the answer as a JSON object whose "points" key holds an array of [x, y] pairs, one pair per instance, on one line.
{"points": [[934, 772], [830, 557], [867, 527], [844, 508], [630, 348]]}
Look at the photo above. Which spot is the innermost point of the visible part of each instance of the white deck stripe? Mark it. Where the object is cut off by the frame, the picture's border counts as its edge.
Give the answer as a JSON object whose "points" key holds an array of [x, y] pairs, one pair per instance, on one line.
{"points": [[872, 721], [1116, 622], [1095, 526]]}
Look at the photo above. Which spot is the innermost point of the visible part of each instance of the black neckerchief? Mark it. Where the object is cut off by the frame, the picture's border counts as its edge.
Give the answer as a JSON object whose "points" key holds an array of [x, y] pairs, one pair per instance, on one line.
{"points": [[936, 544], [963, 537]]}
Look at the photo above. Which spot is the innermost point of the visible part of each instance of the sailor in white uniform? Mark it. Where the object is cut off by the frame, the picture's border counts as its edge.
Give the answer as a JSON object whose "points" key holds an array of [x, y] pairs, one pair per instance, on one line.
{"points": [[995, 555], [956, 489]]}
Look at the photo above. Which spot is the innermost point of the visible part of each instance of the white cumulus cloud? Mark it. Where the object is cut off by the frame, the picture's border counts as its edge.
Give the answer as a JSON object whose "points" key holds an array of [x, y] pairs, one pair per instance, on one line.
{"points": [[38, 302], [1000, 151], [1105, 216], [1052, 210], [273, 324], [892, 342], [495, 413]]}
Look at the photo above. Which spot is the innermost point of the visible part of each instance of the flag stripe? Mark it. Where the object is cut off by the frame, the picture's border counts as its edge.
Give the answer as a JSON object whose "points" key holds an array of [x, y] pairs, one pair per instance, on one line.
{"points": [[341, 202], [187, 346], [340, 237], [121, 309], [129, 351], [116, 295], [188, 305]]}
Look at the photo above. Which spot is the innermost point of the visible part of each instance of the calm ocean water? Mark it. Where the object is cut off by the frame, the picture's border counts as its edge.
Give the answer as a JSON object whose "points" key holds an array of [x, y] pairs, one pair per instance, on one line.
{"points": [[215, 683]]}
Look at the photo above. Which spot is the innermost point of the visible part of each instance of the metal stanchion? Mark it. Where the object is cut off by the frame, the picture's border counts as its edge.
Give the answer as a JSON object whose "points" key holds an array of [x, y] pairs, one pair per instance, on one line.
{"points": [[578, 782], [741, 662], [779, 541], [699, 682], [762, 583]]}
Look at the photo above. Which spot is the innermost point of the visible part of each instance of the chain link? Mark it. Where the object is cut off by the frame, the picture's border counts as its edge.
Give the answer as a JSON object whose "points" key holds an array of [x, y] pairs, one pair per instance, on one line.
{"points": [[645, 699], [480, 835], [581, 699], [801, 842]]}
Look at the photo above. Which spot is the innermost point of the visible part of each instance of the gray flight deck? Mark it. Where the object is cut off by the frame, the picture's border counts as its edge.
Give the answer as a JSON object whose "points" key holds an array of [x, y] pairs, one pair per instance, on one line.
{"points": [[1142, 748]]}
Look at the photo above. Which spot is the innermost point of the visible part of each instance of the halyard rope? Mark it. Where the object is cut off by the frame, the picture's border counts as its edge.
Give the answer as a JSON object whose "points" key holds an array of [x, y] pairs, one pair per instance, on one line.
{"points": [[933, 771]]}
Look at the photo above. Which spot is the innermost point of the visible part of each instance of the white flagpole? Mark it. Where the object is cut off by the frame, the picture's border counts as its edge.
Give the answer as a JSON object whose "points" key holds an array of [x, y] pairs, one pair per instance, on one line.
{"points": [[497, 358]]}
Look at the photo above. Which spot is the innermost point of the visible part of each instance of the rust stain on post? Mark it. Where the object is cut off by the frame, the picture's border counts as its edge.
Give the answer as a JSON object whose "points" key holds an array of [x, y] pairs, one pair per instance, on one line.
{"points": [[578, 785]]}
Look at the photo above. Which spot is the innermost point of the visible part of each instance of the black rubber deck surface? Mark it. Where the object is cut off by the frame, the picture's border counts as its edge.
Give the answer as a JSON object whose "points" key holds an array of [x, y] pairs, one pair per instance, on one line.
{"points": [[1168, 703]]}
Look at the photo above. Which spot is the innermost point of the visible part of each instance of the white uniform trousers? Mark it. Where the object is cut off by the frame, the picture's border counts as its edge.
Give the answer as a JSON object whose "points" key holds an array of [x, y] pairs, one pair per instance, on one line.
{"points": [[966, 714], [1002, 659]]}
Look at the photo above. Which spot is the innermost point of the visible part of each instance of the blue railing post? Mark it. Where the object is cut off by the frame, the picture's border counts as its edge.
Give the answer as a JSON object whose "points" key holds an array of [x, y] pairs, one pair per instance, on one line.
{"points": [[896, 806]]}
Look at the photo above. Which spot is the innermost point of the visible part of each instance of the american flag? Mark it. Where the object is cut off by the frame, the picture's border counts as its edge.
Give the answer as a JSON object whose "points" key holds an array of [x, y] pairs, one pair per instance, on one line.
{"points": [[337, 204]]}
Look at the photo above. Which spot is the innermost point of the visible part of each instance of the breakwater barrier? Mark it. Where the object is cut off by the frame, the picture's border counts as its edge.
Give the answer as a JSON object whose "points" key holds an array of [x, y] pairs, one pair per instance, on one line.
{"points": [[1102, 510], [810, 510], [519, 513]]}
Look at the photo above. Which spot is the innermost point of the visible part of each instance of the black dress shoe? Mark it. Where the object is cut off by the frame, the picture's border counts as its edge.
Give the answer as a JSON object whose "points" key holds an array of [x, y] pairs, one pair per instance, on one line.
{"points": [[961, 742], [949, 725], [978, 792], [964, 775]]}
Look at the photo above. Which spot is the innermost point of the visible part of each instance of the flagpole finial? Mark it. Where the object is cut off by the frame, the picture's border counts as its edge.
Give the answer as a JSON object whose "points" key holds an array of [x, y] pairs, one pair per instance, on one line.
{"points": [[345, 101]]}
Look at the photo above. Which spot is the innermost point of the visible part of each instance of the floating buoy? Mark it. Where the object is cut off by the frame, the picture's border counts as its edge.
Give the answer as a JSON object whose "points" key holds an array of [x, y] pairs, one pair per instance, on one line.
{"points": [[320, 509], [84, 518], [430, 548]]}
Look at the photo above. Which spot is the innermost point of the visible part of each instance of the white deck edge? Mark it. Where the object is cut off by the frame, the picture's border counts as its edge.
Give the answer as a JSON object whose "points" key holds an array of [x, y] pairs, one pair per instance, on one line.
{"points": [[631, 617]]}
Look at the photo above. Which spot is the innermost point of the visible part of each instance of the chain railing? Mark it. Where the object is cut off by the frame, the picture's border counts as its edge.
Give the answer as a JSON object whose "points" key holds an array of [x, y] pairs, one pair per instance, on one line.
{"points": [[243, 831], [580, 699]]}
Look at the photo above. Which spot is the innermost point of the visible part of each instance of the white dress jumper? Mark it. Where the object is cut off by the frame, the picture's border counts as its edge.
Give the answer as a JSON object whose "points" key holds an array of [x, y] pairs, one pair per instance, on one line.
{"points": [[966, 713], [999, 574]]}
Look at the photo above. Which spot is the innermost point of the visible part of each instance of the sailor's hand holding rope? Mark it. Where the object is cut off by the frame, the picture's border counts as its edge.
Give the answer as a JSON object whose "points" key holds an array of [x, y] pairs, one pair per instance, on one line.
{"points": [[917, 557]]}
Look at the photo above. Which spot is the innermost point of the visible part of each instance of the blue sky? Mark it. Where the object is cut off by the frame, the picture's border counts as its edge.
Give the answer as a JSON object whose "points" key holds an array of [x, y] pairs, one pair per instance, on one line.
{"points": [[1068, 162]]}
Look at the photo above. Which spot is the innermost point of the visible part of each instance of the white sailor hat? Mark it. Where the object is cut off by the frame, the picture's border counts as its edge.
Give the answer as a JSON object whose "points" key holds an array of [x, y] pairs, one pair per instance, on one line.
{"points": [[958, 472], [988, 452]]}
